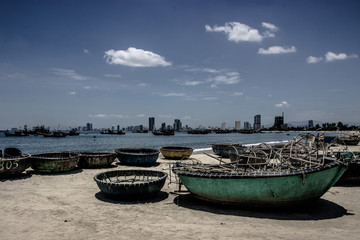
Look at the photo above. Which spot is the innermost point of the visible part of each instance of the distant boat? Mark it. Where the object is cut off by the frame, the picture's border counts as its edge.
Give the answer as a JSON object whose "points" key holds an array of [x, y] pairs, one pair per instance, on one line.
{"points": [[206, 131], [56, 134], [16, 134], [73, 132], [164, 133], [119, 132]]}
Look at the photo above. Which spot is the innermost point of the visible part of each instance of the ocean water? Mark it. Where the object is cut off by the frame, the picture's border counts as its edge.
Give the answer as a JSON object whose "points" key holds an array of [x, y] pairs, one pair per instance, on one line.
{"points": [[96, 142]]}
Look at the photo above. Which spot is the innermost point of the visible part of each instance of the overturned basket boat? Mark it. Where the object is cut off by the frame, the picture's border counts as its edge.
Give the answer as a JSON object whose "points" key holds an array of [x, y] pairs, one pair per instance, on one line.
{"points": [[137, 156], [96, 159], [223, 150], [13, 163], [272, 188], [176, 152], [54, 162], [130, 184]]}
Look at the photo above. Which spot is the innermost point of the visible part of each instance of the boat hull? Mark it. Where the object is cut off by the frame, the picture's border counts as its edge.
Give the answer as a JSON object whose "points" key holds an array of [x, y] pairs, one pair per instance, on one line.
{"points": [[11, 167], [54, 162], [273, 189], [137, 189], [176, 152], [137, 156], [96, 159]]}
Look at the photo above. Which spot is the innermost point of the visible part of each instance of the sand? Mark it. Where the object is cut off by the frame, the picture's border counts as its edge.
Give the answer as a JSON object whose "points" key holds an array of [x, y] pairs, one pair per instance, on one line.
{"points": [[71, 206]]}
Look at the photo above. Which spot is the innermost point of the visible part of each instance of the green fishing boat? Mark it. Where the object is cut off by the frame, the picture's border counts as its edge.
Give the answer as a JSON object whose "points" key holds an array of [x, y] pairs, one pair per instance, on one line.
{"points": [[261, 188]]}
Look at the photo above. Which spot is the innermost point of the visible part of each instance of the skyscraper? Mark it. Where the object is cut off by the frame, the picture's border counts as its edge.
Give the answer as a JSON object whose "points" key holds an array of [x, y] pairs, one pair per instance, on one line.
{"points": [[237, 125], [257, 122], [177, 125], [151, 123]]}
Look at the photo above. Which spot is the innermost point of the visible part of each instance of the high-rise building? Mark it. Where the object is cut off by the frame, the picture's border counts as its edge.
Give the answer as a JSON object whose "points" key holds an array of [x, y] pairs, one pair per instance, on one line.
{"points": [[311, 124], [223, 126], [247, 125], [151, 124], [177, 125], [257, 122], [237, 125], [89, 127], [279, 121]]}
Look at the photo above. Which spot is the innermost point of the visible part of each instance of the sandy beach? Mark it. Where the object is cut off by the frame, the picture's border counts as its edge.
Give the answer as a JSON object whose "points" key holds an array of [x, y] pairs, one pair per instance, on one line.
{"points": [[71, 206]]}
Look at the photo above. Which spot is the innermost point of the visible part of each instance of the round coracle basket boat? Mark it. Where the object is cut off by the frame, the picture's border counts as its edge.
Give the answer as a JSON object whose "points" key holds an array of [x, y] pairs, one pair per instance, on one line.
{"points": [[96, 159], [223, 150], [130, 184], [137, 156], [176, 152], [54, 162], [13, 166]]}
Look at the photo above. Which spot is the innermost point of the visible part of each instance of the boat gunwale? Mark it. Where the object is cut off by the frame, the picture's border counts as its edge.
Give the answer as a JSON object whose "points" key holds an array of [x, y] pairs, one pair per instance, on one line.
{"points": [[43, 156], [137, 151], [244, 175], [159, 179]]}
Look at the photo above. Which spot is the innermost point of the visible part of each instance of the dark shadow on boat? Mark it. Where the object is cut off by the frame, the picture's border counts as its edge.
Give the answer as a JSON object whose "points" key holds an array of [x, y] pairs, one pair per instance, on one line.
{"points": [[74, 171], [319, 209], [139, 165], [18, 177], [157, 198]]}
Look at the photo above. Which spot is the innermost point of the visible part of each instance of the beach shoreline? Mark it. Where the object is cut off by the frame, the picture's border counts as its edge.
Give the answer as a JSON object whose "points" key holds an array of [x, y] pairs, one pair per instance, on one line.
{"points": [[71, 206]]}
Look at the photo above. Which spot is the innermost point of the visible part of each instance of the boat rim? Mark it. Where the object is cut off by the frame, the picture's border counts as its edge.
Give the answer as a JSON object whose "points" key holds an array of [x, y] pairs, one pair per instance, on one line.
{"points": [[243, 175], [160, 178]]}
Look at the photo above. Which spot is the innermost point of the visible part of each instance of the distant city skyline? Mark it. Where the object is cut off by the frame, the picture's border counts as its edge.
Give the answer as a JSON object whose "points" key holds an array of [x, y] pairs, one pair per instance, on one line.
{"points": [[202, 62]]}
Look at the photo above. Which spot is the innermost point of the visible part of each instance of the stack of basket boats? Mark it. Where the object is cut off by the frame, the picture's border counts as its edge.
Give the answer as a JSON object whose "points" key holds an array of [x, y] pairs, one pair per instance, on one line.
{"points": [[300, 171]]}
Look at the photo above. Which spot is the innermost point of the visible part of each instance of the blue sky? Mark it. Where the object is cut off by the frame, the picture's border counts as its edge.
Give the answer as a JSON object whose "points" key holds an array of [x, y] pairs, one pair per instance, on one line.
{"points": [[204, 62]]}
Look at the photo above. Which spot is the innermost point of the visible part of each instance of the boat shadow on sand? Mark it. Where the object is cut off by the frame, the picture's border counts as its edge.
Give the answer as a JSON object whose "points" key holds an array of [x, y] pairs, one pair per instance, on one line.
{"points": [[73, 171], [319, 209], [157, 198], [19, 177]]}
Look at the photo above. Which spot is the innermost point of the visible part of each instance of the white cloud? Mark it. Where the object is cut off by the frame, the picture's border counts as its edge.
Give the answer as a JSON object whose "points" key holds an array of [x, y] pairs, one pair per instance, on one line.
{"points": [[283, 104], [271, 29], [172, 94], [186, 118], [134, 57], [166, 116], [209, 98], [207, 70], [140, 116], [141, 84], [270, 26], [71, 93], [106, 116], [237, 32], [238, 94], [113, 75], [330, 56], [193, 83], [277, 50], [227, 78], [312, 59], [86, 51], [68, 73]]}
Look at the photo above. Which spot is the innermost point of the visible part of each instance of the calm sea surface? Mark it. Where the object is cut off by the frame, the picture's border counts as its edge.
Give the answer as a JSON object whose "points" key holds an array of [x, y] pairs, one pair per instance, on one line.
{"points": [[100, 142]]}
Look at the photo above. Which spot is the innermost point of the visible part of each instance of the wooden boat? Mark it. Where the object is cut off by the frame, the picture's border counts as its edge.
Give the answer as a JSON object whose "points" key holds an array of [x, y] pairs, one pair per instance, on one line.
{"points": [[130, 184], [13, 163], [137, 156], [201, 131], [261, 188], [176, 152], [54, 162], [223, 150], [55, 134], [96, 159], [164, 133]]}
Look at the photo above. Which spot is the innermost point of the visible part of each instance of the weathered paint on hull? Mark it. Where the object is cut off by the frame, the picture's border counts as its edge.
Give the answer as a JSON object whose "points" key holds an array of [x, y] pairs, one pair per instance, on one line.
{"points": [[277, 190]]}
